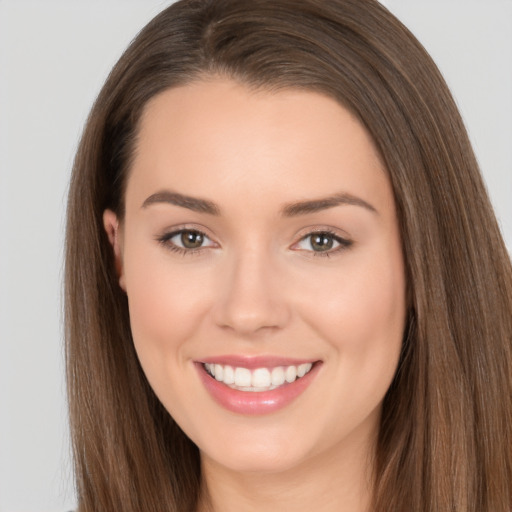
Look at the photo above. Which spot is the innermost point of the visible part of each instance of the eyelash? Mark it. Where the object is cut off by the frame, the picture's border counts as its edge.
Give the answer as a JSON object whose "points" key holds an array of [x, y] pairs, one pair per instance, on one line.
{"points": [[165, 240], [344, 243]]}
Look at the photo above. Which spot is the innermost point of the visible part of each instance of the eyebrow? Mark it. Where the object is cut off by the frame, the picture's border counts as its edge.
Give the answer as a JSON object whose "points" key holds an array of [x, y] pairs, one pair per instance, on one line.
{"points": [[289, 210], [315, 205], [191, 203]]}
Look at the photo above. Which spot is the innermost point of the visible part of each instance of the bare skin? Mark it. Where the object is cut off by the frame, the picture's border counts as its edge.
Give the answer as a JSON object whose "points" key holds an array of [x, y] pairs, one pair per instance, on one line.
{"points": [[246, 271]]}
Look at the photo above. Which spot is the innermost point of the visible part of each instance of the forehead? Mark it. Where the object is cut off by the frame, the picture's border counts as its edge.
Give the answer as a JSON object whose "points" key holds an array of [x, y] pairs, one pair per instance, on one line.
{"points": [[220, 137]]}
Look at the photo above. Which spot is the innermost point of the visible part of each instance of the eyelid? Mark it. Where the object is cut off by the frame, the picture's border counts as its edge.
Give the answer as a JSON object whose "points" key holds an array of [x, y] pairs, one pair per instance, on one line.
{"points": [[168, 234], [174, 234], [344, 241]]}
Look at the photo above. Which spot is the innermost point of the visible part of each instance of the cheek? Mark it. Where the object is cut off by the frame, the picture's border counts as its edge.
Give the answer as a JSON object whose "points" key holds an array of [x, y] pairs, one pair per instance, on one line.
{"points": [[361, 308], [166, 307], [361, 316]]}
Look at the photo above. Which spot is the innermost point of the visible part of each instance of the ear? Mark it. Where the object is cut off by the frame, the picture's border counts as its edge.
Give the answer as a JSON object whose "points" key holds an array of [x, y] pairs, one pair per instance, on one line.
{"points": [[111, 225]]}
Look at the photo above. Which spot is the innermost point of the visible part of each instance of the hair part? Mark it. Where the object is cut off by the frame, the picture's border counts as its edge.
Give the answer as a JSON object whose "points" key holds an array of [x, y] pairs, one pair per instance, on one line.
{"points": [[445, 441]]}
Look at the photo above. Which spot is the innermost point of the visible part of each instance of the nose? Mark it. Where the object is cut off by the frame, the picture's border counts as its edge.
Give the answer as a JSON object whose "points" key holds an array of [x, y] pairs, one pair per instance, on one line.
{"points": [[252, 297]]}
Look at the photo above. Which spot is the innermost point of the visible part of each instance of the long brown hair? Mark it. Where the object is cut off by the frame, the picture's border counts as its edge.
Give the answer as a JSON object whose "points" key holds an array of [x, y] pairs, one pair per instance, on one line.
{"points": [[445, 441]]}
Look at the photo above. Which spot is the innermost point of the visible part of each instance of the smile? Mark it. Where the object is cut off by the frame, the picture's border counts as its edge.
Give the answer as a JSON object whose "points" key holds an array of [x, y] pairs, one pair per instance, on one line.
{"points": [[256, 386], [258, 380]]}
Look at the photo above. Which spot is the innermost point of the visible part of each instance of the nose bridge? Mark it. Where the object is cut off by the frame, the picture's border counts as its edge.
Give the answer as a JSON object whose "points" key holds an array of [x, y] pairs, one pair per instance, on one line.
{"points": [[251, 298]]}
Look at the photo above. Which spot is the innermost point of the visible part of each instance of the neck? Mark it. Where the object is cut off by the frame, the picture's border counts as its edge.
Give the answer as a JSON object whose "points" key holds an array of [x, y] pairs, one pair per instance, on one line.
{"points": [[340, 481]]}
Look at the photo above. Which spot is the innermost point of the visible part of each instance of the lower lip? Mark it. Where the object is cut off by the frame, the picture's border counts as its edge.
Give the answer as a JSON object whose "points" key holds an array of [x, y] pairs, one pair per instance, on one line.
{"points": [[255, 402]]}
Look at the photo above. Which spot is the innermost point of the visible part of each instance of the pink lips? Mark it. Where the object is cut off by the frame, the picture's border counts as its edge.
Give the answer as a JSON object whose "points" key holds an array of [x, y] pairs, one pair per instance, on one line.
{"points": [[259, 402]]}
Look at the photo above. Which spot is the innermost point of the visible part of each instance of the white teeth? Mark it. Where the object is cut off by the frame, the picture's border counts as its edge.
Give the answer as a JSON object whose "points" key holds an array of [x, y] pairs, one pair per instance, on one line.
{"points": [[229, 375], [290, 374], [303, 369], [219, 372], [260, 379], [242, 377], [278, 376]]}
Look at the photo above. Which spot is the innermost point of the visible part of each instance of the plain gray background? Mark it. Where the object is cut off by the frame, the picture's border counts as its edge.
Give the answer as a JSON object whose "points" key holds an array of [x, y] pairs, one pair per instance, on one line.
{"points": [[54, 56]]}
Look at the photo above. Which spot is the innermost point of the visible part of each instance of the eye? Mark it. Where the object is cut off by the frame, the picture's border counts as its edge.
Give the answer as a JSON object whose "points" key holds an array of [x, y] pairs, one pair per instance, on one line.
{"points": [[323, 243], [186, 240]]}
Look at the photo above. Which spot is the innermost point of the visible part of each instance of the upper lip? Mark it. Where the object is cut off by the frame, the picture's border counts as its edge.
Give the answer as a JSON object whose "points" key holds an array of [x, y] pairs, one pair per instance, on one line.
{"points": [[253, 362]]}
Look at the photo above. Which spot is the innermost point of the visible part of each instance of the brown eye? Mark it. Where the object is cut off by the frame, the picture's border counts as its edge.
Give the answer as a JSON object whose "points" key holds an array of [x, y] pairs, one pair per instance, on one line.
{"points": [[321, 242], [191, 239], [186, 241]]}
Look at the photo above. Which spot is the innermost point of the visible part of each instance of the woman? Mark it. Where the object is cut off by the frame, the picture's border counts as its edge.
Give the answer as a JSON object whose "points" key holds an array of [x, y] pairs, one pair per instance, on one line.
{"points": [[285, 285]]}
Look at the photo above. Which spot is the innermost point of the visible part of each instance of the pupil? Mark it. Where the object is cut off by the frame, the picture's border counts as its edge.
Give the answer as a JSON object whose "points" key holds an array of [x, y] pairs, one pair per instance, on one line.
{"points": [[191, 239], [322, 242]]}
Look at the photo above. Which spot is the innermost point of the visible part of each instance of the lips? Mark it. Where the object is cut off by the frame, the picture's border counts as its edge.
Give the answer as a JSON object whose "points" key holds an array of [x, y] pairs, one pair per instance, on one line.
{"points": [[256, 385]]}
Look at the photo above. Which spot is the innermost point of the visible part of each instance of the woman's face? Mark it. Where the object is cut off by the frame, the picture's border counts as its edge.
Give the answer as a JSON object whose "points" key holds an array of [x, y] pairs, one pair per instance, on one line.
{"points": [[260, 243]]}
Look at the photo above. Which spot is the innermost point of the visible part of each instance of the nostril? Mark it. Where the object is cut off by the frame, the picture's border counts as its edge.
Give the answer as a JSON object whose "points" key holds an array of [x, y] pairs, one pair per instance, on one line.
{"points": [[249, 317]]}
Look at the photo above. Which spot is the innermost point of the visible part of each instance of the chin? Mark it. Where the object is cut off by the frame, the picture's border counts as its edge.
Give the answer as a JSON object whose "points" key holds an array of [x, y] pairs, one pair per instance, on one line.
{"points": [[264, 462], [262, 452]]}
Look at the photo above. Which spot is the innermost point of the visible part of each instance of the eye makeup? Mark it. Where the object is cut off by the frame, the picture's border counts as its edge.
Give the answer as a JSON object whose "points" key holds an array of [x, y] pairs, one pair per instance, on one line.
{"points": [[190, 241]]}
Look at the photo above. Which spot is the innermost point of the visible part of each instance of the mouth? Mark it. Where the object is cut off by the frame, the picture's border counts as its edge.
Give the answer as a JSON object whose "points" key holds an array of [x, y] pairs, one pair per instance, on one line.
{"points": [[256, 385], [259, 379]]}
